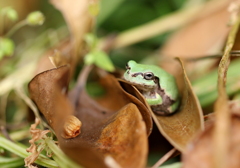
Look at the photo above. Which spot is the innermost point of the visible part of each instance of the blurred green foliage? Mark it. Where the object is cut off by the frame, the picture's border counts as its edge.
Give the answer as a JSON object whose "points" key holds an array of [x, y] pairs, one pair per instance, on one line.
{"points": [[115, 17], [134, 13], [129, 14]]}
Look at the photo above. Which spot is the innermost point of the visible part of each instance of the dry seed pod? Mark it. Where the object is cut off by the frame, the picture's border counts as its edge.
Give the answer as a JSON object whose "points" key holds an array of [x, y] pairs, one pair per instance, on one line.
{"points": [[71, 127]]}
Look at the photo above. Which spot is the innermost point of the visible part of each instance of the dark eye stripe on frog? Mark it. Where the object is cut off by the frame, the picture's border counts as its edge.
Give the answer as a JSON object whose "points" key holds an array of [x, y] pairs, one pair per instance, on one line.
{"points": [[145, 75], [136, 74]]}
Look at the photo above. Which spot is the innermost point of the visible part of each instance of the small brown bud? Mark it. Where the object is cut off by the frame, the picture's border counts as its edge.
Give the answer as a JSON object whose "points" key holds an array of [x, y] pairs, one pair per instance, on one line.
{"points": [[71, 127]]}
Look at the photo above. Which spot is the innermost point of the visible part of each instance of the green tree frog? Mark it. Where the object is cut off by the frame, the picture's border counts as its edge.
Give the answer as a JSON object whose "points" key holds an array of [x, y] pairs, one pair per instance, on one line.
{"points": [[157, 86]]}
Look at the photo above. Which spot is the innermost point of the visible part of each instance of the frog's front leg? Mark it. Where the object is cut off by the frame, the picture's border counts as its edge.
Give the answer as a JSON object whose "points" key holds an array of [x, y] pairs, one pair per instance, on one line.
{"points": [[157, 99], [165, 109]]}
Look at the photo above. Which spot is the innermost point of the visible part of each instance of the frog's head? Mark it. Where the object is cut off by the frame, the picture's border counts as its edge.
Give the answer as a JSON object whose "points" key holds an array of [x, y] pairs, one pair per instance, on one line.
{"points": [[140, 75]]}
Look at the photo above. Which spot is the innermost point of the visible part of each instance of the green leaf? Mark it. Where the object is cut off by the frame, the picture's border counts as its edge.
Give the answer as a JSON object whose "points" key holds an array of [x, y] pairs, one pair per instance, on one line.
{"points": [[6, 47], [10, 13], [89, 59], [91, 40], [101, 59], [19, 150], [107, 8], [11, 162]]}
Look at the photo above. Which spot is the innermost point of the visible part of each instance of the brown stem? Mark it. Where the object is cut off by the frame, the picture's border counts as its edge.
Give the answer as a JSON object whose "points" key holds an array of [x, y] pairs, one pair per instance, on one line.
{"points": [[164, 158], [221, 133]]}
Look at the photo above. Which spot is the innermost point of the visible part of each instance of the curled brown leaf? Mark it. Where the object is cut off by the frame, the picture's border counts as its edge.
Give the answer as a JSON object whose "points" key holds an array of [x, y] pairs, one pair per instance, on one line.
{"points": [[99, 120], [180, 127], [59, 54], [37, 134], [200, 152], [125, 138], [49, 91]]}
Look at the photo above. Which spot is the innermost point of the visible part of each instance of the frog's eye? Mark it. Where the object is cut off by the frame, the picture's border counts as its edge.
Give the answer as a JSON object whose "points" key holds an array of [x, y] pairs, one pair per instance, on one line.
{"points": [[148, 76]]}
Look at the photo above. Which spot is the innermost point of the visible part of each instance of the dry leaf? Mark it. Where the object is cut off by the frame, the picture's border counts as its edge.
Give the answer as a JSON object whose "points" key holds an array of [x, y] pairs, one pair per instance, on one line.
{"points": [[201, 37], [37, 134], [99, 113], [57, 59], [78, 18], [200, 152], [124, 139], [79, 21], [204, 36], [49, 92], [180, 127], [64, 47]]}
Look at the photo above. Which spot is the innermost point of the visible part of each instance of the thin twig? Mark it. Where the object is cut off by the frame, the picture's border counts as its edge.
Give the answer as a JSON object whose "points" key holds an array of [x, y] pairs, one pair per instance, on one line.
{"points": [[29, 102], [233, 53], [164, 158], [3, 106], [81, 82], [33, 107], [5, 133]]}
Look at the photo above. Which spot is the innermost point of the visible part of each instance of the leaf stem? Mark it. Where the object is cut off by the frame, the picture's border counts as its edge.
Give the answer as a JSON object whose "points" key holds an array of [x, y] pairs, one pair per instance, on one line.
{"points": [[29, 102], [21, 151], [15, 28], [209, 94], [59, 156]]}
